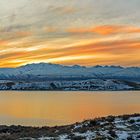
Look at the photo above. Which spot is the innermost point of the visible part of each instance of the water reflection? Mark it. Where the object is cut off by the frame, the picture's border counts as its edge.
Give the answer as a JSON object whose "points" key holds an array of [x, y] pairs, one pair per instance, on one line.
{"points": [[39, 108]]}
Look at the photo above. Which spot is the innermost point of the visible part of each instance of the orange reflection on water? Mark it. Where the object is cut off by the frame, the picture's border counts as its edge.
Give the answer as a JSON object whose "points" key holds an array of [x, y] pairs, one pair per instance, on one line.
{"points": [[39, 108]]}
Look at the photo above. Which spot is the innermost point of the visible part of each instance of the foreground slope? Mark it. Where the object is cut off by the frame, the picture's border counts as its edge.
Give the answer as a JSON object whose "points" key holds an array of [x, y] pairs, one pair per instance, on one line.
{"points": [[126, 127]]}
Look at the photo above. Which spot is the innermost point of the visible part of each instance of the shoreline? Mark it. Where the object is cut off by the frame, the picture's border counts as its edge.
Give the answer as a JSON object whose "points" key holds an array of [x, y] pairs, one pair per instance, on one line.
{"points": [[81, 85], [111, 127]]}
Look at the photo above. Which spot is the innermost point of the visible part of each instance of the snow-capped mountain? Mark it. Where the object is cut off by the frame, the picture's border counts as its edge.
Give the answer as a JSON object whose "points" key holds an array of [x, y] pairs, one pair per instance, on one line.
{"points": [[47, 71]]}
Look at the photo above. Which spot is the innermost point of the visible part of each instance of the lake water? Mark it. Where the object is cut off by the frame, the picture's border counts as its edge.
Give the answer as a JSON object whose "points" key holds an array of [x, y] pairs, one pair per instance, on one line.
{"points": [[41, 108]]}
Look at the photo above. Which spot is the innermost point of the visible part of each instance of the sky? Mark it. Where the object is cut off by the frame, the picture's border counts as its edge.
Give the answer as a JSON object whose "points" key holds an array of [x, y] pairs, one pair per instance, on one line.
{"points": [[70, 32]]}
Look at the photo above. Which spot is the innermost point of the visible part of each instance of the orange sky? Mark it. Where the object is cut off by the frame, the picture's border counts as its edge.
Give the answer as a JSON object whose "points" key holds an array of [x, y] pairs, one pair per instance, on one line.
{"points": [[67, 33]]}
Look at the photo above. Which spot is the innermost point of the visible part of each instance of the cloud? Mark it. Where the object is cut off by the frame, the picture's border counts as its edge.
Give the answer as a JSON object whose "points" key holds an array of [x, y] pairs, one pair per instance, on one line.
{"points": [[23, 33], [2, 42], [69, 32], [50, 29], [64, 10], [102, 51], [106, 30]]}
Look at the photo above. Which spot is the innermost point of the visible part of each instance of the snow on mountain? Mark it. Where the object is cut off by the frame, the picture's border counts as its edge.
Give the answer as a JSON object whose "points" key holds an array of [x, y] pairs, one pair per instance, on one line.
{"points": [[48, 70]]}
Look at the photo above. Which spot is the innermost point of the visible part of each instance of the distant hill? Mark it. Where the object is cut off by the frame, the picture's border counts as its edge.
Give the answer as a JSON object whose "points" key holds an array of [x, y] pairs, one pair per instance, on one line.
{"points": [[48, 71]]}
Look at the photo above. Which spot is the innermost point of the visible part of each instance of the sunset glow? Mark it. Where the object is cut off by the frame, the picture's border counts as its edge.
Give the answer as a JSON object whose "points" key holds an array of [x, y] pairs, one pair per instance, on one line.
{"points": [[84, 32]]}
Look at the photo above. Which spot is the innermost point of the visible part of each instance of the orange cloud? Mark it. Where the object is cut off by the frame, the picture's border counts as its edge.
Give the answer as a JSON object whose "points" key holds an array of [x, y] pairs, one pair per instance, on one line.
{"points": [[106, 29], [73, 50], [50, 29], [68, 10], [103, 52], [3, 42], [23, 33]]}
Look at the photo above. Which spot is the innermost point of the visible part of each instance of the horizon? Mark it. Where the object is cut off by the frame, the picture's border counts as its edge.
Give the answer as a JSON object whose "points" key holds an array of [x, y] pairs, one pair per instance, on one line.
{"points": [[73, 65], [76, 32]]}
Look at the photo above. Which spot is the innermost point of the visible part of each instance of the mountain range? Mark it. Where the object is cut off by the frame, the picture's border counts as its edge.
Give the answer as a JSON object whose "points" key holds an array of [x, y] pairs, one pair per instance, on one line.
{"points": [[47, 76], [48, 71]]}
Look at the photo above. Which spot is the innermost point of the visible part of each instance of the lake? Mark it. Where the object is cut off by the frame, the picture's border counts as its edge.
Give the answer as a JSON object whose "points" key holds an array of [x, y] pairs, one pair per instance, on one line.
{"points": [[41, 108]]}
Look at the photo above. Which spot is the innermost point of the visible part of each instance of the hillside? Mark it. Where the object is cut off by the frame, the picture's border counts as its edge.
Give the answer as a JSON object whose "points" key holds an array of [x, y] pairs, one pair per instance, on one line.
{"points": [[126, 127]]}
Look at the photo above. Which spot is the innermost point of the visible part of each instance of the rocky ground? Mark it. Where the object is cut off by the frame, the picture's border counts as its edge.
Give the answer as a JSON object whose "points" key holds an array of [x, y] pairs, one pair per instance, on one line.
{"points": [[126, 127]]}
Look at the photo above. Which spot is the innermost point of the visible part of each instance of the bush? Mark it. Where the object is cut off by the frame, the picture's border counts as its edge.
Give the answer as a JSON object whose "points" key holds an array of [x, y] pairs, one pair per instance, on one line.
{"points": [[112, 133], [93, 123], [125, 117], [110, 119], [132, 121], [77, 138]]}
